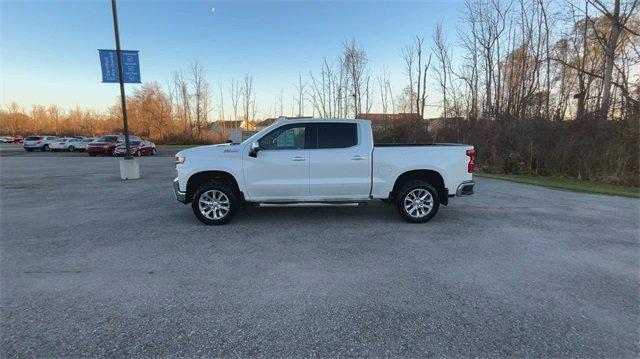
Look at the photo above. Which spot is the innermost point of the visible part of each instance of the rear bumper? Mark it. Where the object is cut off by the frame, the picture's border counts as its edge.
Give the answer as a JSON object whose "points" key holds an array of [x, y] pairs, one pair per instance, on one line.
{"points": [[465, 188], [180, 196]]}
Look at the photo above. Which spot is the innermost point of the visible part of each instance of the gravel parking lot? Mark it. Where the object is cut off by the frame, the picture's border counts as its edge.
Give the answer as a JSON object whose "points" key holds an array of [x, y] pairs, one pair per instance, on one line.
{"points": [[94, 266]]}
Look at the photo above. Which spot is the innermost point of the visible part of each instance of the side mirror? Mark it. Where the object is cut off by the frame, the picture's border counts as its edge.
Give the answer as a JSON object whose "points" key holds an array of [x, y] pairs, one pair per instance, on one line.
{"points": [[253, 149]]}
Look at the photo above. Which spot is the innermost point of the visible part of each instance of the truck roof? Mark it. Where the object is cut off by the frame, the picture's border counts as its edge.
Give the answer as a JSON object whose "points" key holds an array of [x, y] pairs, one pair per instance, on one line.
{"points": [[321, 120]]}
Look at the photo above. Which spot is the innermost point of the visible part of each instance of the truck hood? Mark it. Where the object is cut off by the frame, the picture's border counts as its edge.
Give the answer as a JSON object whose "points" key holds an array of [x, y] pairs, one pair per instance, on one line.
{"points": [[209, 150]]}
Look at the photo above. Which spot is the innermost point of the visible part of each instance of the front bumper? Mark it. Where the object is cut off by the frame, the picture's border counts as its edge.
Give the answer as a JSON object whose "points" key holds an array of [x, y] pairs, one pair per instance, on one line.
{"points": [[180, 196], [465, 188]]}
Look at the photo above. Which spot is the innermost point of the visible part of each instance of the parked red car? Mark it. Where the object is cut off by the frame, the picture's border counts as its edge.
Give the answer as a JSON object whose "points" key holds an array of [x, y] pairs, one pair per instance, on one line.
{"points": [[106, 145], [18, 139], [136, 148]]}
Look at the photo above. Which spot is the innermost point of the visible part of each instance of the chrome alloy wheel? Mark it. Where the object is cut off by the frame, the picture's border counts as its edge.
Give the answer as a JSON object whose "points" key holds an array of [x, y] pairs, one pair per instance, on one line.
{"points": [[418, 203], [214, 204]]}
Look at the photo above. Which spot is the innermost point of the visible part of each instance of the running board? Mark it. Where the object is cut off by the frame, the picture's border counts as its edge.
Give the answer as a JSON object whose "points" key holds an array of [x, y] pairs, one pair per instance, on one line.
{"points": [[309, 204]]}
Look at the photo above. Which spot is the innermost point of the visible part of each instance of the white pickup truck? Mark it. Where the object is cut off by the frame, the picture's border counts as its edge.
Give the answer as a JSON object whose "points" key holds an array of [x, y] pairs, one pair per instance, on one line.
{"points": [[318, 161]]}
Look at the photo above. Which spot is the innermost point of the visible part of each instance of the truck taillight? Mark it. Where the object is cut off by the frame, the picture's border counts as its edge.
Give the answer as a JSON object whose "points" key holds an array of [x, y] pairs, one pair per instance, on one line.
{"points": [[472, 159]]}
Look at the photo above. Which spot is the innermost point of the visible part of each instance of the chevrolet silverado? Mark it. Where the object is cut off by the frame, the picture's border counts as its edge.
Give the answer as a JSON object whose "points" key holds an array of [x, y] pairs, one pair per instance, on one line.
{"points": [[321, 161]]}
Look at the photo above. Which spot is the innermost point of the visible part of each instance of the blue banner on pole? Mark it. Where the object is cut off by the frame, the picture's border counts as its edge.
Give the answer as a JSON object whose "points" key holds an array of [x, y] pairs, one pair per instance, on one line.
{"points": [[130, 66]]}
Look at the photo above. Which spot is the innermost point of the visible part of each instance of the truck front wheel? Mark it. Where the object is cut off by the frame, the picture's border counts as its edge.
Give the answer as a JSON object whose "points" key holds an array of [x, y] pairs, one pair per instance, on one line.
{"points": [[214, 203], [417, 201]]}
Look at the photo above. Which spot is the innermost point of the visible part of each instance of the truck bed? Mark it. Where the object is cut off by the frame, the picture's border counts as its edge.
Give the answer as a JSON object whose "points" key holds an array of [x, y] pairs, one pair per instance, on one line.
{"points": [[389, 161]]}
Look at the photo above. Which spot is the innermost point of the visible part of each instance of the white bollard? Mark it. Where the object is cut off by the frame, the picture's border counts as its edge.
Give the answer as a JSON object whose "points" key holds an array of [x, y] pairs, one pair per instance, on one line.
{"points": [[129, 169]]}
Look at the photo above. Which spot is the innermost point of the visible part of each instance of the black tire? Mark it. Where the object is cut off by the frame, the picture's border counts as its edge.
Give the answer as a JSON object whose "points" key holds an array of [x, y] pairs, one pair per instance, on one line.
{"points": [[138, 153], [410, 187], [93, 154], [153, 152], [46, 148], [71, 149], [214, 186]]}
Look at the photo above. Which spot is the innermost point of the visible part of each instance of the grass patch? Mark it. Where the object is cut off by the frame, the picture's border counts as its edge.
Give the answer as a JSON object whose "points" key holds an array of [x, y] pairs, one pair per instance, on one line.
{"points": [[570, 184]]}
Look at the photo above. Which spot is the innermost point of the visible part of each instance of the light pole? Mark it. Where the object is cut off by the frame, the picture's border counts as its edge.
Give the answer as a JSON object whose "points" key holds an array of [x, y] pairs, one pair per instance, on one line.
{"points": [[114, 9]]}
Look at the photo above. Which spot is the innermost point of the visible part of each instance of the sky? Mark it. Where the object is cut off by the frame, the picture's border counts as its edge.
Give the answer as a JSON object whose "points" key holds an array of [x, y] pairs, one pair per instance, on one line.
{"points": [[49, 48]]}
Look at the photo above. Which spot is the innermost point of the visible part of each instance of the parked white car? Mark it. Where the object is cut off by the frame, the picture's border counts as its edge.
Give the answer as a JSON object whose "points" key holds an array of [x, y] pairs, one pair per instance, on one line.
{"points": [[321, 162], [42, 143], [65, 144]]}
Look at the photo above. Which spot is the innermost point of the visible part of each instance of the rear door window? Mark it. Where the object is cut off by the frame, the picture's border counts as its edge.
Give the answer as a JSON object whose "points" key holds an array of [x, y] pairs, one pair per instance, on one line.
{"points": [[337, 135]]}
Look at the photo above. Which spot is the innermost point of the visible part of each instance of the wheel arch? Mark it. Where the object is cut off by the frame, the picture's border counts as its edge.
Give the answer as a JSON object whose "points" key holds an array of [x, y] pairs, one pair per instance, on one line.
{"points": [[197, 179], [431, 176]]}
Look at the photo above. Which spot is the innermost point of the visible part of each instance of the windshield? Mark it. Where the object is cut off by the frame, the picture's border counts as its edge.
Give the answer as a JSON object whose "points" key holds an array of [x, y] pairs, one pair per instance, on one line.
{"points": [[33, 138]]}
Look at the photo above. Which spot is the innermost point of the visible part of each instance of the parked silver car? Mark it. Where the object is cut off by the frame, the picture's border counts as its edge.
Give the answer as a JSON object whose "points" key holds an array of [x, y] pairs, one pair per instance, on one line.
{"points": [[42, 143], [81, 145]]}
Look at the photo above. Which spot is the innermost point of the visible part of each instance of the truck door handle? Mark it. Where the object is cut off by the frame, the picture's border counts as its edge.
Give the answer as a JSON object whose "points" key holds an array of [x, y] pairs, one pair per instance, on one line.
{"points": [[298, 158], [357, 158]]}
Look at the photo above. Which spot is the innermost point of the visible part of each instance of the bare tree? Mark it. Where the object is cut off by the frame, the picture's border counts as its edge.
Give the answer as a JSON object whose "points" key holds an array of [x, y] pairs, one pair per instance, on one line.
{"points": [[384, 91], [547, 33], [247, 97], [408, 54], [618, 18], [200, 95], [221, 111], [469, 42], [443, 68], [235, 88], [421, 98], [183, 100], [418, 48], [300, 99], [324, 90], [253, 107], [355, 61], [281, 102]]}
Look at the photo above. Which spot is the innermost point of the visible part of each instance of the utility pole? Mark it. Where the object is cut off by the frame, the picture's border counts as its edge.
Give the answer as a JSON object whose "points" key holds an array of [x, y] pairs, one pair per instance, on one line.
{"points": [[121, 77]]}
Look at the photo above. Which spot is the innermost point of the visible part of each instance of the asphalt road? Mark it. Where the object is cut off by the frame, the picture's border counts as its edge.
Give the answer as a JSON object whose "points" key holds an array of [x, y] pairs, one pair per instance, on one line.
{"points": [[94, 266]]}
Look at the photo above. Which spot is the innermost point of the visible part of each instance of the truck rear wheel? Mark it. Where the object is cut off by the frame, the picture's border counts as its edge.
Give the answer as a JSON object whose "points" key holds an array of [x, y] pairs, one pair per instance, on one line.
{"points": [[417, 201], [214, 203]]}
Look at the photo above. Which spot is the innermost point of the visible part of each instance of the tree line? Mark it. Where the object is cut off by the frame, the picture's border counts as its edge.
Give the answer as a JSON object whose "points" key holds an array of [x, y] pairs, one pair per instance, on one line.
{"points": [[548, 87]]}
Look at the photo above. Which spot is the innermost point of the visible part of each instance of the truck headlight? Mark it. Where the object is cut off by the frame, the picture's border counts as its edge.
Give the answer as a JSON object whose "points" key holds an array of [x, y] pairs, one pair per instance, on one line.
{"points": [[180, 159]]}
